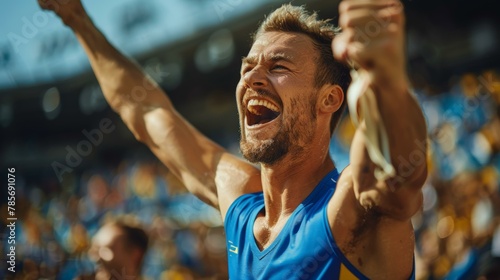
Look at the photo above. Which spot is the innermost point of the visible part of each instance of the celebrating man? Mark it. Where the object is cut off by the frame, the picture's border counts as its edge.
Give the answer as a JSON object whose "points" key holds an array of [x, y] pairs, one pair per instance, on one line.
{"points": [[295, 217]]}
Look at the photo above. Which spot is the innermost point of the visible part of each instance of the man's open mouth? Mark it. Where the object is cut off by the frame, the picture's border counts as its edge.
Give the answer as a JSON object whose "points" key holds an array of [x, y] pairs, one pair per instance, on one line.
{"points": [[260, 112]]}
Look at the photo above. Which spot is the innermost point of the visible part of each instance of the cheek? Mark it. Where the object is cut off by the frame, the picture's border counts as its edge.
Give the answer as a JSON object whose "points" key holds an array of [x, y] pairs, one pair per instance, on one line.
{"points": [[300, 109], [240, 90], [281, 79], [291, 86]]}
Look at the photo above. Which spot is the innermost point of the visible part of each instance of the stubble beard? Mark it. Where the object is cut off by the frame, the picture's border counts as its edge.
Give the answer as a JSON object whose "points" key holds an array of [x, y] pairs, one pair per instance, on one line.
{"points": [[267, 151], [289, 139]]}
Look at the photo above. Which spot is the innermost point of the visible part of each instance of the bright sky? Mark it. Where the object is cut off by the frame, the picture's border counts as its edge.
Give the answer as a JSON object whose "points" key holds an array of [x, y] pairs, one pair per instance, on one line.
{"points": [[35, 47]]}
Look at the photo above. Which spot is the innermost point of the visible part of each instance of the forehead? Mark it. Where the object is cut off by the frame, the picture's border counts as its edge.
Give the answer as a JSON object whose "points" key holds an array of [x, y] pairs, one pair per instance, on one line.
{"points": [[290, 45]]}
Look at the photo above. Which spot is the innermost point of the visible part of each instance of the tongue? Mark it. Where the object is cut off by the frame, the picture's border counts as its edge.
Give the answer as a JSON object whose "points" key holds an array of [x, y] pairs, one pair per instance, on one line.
{"points": [[260, 110], [262, 114]]}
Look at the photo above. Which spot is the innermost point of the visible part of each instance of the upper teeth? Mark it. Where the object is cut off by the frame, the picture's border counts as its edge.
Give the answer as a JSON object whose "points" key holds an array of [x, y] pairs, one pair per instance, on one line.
{"points": [[260, 102]]}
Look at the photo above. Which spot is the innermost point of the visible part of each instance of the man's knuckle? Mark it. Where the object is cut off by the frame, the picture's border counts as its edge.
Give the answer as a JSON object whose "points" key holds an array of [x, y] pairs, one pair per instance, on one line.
{"points": [[344, 6]]}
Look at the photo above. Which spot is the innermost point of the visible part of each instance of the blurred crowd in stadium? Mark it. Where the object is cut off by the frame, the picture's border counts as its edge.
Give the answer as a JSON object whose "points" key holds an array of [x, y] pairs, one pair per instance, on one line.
{"points": [[457, 231]]}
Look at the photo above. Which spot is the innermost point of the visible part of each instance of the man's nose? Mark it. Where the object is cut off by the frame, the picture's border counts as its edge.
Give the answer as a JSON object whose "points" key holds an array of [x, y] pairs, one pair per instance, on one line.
{"points": [[255, 78]]}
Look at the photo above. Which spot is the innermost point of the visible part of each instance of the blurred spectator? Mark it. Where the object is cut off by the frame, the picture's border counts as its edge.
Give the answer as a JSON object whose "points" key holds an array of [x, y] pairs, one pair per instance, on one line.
{"points": [[119, 250]]}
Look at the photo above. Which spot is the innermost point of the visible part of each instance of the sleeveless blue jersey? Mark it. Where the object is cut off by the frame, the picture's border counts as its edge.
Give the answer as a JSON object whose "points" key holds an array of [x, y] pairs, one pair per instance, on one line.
{"points": [[304, 249]]}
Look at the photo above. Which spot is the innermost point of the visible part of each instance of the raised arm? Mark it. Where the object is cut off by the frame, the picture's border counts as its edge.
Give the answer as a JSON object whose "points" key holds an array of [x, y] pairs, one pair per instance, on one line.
{"points": [[369, 215], [373, 39], [204, 167]]}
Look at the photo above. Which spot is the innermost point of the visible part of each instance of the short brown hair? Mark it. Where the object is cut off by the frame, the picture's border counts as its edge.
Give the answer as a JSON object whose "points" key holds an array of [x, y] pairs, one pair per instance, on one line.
{"points": [[296, 19]]}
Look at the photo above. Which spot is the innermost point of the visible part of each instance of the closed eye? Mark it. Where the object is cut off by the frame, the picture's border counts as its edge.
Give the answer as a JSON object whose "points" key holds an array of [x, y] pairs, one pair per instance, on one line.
{"points": [[278, 67], [246, 69]]}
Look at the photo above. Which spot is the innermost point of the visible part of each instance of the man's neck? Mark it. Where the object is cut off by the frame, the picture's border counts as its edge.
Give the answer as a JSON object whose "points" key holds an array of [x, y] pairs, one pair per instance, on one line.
{"points": [[285, 186]]}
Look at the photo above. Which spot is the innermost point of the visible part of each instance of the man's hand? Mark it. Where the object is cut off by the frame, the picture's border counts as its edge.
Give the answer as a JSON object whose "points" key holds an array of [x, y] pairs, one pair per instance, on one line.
{"points": [[391, 129], [65, 9], [373, 39]]}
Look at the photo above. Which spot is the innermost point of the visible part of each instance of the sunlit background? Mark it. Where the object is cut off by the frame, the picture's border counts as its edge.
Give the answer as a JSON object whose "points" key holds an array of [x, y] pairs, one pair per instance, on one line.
{"points": [[69, 183]]}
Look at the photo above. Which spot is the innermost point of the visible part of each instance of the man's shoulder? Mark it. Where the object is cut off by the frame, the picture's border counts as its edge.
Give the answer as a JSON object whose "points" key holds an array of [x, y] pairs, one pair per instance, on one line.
{"points": [[243, 206]]}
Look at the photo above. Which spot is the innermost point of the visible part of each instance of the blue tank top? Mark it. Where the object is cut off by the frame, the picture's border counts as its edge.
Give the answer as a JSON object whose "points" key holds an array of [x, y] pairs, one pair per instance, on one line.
{"points": [[304, 249]]}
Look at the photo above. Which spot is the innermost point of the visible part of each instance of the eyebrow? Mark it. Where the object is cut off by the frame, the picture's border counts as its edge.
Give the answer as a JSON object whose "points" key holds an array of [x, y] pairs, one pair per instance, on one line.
{"points": [[272, 57]]}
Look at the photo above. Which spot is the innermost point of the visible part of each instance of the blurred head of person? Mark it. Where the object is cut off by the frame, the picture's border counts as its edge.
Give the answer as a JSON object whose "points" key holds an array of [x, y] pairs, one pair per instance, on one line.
{"points": [[119, 249]]}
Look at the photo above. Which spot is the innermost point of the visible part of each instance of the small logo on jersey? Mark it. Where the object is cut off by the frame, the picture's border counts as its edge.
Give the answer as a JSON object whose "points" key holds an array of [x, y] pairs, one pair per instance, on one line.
{"points": [[232, 248]]}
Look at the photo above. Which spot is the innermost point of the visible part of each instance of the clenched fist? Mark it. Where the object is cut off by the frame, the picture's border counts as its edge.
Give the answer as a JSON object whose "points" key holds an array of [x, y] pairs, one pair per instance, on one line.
{"points": [[372, 38], [65, 9]]}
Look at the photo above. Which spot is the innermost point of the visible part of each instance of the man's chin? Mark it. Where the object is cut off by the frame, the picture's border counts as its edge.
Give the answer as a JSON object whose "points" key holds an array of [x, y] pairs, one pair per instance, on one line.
{"points": [[265, 151]]}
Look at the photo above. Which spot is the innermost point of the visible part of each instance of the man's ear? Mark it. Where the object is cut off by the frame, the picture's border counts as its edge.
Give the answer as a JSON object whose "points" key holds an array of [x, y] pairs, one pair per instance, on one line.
{"points": [[330, 99]]}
